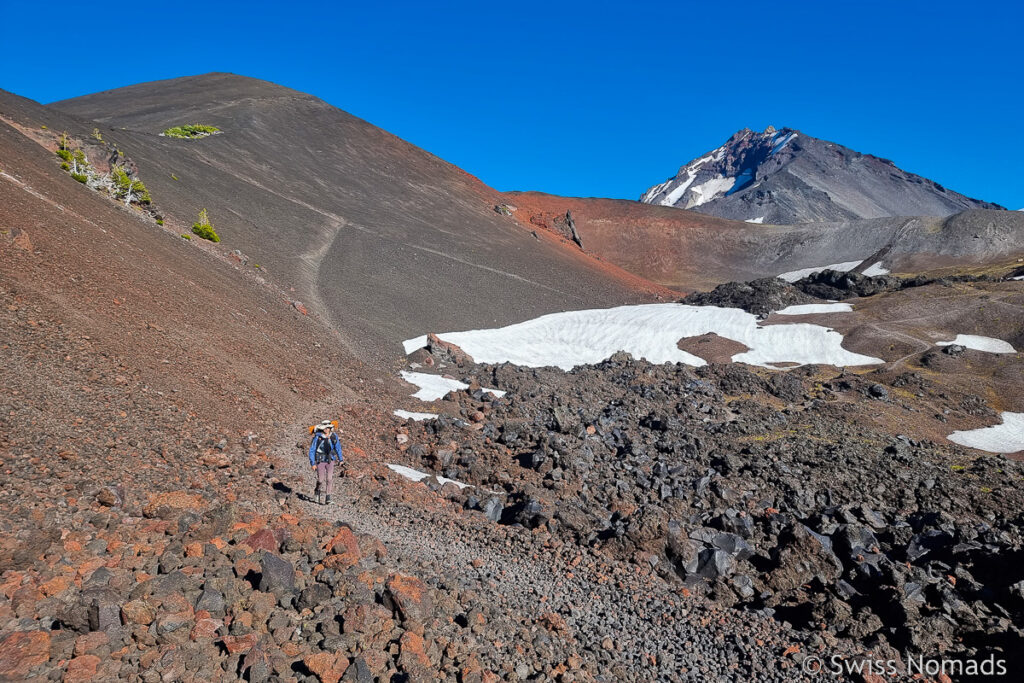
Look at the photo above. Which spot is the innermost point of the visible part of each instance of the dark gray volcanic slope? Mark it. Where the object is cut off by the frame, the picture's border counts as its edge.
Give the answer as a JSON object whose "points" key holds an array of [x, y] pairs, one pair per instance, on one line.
{"points": [[391, 241], [784, 177]]}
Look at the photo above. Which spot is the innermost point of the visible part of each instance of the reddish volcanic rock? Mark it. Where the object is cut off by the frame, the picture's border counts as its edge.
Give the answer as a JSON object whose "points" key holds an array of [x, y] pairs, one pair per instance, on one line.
{"points": [[411, 598], [22, 651], [264, 539]]}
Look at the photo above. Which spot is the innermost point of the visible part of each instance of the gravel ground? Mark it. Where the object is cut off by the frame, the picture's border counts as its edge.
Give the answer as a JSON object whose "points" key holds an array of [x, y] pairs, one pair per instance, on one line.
{"points": [[629, 624]]}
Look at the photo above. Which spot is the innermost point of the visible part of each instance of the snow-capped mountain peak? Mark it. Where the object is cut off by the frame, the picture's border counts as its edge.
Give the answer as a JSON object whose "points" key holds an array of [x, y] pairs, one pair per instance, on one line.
{"points": [[782, 176]]}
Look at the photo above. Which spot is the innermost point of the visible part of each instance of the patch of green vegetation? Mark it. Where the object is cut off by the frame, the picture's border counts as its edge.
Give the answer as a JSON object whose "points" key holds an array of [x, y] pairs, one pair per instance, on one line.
{"points": [[186, 236], [43, 127], [128, 189], [65, 166], [190, 131], [159, 221], [174, 177], [97, 135], [957, 468], [64, 154], [204, 228], [80, 177]]}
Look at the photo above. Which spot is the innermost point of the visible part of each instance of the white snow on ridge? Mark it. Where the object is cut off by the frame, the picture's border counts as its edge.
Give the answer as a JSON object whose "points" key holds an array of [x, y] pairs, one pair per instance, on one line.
{"points": [[782, 144], [672, 197], [416, 475], [418, 417], [876, 268], [650, 331], [1007, 437], [754, 220], [805, 309], [433, 387], [979, 343], [709, 190], [794, 275]]}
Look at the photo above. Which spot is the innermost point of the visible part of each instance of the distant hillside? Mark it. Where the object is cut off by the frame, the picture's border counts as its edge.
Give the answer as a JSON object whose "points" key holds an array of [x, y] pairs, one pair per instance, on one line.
{"points": [[687, 250], [785, 177]]}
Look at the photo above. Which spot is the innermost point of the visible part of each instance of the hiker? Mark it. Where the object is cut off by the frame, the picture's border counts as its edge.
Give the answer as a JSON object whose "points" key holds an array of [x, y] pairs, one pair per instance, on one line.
{"points": [[324, 451]]}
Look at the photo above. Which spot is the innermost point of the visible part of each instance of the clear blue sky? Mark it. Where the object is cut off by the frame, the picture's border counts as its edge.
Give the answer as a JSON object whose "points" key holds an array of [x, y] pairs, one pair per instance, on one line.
{"points": [[592, 99]]}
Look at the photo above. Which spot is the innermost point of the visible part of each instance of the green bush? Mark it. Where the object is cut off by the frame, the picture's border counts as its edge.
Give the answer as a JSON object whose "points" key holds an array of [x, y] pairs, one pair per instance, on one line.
{"points": [[159, 221], [65, 166], [193, 130], [204, 228], [80, 177], [186, 236], [123, 184], [64, 154]]}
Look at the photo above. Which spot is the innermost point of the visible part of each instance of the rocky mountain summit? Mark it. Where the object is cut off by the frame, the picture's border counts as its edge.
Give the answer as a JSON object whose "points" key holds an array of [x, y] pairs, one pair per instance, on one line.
{"points": [[783, 176]]}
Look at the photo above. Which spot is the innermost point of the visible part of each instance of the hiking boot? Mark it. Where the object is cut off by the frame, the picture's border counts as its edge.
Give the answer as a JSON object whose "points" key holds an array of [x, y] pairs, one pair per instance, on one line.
{"points": [[328, 500]]}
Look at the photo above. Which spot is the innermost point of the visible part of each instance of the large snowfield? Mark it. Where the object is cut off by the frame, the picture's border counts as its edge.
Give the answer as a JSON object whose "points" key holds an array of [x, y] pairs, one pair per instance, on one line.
{"points": [[648, 331], [1007, 437]]}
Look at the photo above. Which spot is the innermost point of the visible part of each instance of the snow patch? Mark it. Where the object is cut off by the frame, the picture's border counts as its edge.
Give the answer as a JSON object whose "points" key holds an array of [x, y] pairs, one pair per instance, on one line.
{"points": [[794, 275], [418, 417], [710, 189], [433, 387], [755, 220], [672, 197], [650, 331], [416, 475], [806, 309], [1007, 437], [1019, 277], [979, 343], [742, 180], [778, 147], [876, 268]]}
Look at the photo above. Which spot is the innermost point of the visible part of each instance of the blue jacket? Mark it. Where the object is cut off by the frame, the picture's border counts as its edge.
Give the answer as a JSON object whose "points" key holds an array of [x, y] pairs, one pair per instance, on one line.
{"points": [[336, 454]]}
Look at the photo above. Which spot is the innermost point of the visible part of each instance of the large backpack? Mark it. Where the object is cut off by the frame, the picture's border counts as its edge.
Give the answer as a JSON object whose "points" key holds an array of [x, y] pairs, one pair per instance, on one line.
{"points": [[324, 448]]}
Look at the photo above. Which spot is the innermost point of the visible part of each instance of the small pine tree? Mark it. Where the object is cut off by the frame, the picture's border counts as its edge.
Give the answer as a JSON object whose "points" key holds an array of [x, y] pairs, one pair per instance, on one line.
{"points": [[79, 163], [204, 228], [128, 189]]}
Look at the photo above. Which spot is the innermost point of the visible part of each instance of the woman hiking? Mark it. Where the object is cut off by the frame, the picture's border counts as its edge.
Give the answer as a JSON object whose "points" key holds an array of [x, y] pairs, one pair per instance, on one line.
{"points": [[324, 451]]}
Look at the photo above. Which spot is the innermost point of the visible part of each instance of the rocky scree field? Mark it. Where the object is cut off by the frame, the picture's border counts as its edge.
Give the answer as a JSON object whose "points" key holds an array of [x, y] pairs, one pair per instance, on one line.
{"points": [[759, 489]]}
